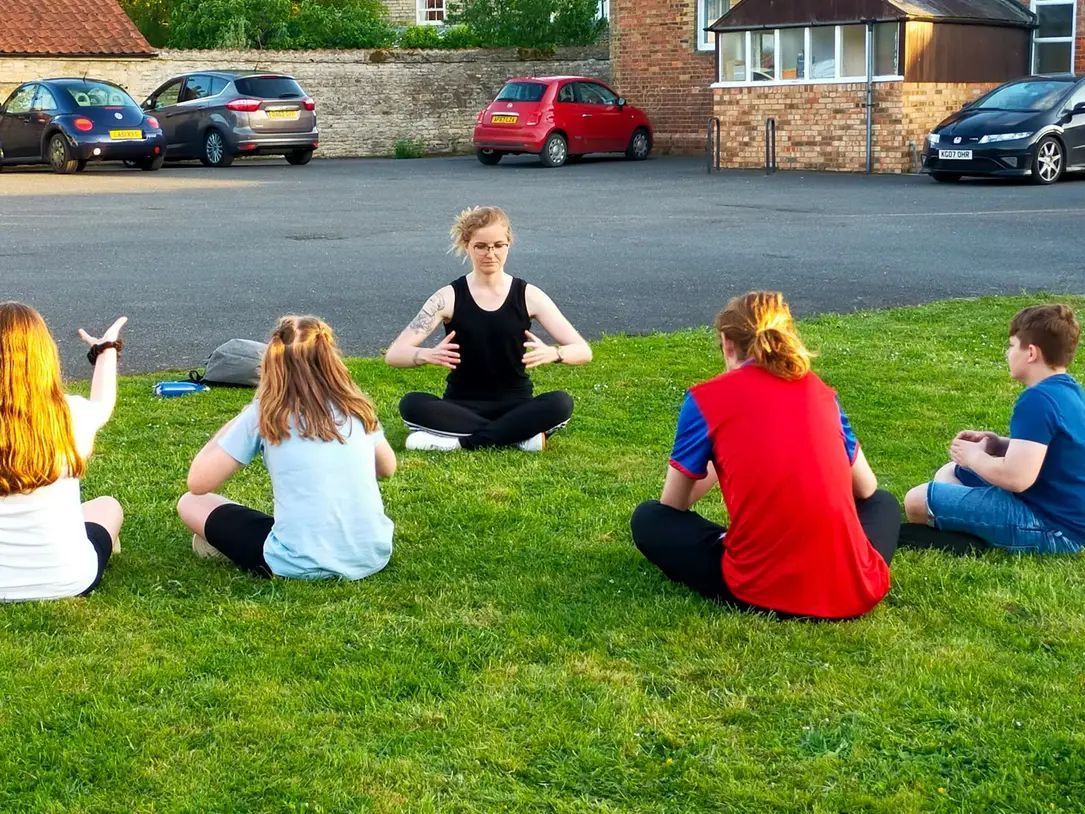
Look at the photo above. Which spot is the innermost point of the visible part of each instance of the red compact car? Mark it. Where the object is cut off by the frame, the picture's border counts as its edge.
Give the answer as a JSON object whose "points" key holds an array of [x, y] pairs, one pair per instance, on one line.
{"points": [[560, 118]]}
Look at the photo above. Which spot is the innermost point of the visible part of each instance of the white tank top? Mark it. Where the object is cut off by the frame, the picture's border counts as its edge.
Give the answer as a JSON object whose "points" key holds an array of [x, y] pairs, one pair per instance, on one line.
{"points": [[44, 550]]}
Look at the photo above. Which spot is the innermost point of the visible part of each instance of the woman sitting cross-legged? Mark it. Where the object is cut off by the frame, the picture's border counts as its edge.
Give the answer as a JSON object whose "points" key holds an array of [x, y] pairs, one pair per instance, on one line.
{"points": [[324, 451], [51, 545], [811, 535], [488, 348]]}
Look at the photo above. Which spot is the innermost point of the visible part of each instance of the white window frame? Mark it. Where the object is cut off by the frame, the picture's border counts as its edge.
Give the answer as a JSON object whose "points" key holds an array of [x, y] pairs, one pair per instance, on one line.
{"points": [[1072, 38], [706, 40], [421, 10], [604, 10], [806, 79]]}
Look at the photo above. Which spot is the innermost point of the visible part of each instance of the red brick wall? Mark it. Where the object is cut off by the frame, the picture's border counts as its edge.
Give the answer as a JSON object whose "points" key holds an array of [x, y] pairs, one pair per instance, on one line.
{"points": [[656, 65], [1079, 49]]}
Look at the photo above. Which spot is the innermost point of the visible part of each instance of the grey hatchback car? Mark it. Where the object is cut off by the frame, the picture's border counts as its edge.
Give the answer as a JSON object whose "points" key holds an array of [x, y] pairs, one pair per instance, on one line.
{"points": [[217, 115]]}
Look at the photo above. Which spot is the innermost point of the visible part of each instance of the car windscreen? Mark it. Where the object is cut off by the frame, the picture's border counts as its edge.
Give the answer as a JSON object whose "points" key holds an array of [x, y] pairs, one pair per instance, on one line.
{"points": [[521, 92], [269, 87], [98, 94], [1024, 96]]}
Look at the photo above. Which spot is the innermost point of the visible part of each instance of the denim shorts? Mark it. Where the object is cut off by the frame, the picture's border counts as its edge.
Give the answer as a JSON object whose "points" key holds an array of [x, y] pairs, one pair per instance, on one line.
{"points": [[996, 516]]}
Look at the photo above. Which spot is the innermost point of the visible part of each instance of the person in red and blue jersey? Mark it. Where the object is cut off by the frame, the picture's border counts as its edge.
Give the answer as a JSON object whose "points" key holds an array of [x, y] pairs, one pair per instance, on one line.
{"points": [[811, 534]]}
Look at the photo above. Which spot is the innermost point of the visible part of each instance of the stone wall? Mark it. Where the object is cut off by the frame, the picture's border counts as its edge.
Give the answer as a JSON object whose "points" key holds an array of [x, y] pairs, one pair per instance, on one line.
{"points": [[366, 100], [656, 65]]}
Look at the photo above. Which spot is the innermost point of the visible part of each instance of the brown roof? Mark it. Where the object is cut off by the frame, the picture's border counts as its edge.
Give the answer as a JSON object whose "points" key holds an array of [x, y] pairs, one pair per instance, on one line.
{"points": [[68, 28], [751, 14]]}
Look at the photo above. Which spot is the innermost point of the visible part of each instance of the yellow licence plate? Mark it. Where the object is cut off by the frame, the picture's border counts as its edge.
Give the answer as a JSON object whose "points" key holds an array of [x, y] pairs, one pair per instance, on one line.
{"points": [[125, 134], [282, 114], [502, 119]]}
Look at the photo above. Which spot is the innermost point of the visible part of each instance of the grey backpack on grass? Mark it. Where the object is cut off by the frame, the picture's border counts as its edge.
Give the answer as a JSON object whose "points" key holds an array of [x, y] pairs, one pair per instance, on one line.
{"points": [[236, 362]]}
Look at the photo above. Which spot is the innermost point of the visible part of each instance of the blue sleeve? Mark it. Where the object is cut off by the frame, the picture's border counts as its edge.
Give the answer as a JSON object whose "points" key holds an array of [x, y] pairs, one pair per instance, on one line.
{"points": [[692, 446], [851, 443], [242, 441], [1034, 418]]}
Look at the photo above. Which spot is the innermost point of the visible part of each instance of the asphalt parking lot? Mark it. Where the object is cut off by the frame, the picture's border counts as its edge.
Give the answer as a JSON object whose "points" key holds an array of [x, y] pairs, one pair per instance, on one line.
{"points": [[196, 256]]}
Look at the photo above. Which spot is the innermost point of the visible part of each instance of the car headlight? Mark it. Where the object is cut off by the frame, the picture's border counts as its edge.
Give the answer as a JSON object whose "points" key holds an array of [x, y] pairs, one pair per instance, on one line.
{"points": [[933, 138], [991, 139]]}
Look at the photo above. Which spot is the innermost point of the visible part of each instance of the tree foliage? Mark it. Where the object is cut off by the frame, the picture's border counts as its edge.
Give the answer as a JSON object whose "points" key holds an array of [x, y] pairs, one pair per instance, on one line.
{"points": [[530, 23]]}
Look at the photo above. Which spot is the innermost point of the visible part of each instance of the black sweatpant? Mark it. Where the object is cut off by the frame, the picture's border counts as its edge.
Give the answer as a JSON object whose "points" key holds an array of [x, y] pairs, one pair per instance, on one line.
{"points": [[497, 423], [687, 548]]}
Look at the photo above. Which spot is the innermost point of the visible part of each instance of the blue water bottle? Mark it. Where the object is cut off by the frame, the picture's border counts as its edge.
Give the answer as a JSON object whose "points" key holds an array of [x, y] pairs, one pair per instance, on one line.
{"points": [[169, 390]]}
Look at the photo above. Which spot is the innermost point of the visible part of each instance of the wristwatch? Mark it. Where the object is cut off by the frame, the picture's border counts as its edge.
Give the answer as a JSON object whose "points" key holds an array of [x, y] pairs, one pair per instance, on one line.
{"points": [[560, 357]]}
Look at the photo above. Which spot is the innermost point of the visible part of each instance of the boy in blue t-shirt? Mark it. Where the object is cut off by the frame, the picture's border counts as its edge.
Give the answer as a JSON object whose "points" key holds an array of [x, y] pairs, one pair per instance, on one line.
{"points": [[1025, 493]]}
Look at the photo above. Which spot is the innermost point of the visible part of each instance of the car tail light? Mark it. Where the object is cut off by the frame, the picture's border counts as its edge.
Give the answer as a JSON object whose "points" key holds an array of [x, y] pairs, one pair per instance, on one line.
{"points": [[83, 124], [152, 122], [248, 145], [478, 118], [244, 105], [309, 103]]}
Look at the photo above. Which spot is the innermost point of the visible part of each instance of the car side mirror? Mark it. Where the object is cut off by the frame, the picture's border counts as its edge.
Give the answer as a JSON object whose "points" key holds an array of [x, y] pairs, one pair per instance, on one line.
{"points": [[621, 101], [1079, 108]]}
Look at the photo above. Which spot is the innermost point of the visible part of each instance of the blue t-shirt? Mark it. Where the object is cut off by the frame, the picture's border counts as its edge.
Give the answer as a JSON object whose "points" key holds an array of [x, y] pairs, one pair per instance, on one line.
{"points": [[1052, 412], [329, 518]]}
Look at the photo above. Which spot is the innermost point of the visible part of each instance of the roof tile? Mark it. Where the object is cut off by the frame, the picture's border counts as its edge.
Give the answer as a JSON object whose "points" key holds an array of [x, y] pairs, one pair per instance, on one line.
{"points": [[68, 28]]}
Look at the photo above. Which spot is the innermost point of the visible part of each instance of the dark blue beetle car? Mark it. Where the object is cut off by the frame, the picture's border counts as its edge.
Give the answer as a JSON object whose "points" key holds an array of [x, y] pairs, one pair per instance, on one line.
{"points": [[67, 122]]}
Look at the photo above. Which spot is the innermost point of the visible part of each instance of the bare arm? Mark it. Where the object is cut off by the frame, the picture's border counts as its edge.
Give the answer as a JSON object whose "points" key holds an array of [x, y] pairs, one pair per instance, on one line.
{"points": [[863, 480], [385, 458], [212, 465], [103, 383], [1015, 471], [681, 492], [571, 347], [405, 350]]}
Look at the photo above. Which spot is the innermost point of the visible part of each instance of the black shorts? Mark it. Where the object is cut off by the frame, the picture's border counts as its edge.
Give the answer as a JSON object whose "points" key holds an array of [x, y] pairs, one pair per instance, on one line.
{"points": [[239, 532], [103, 547]]}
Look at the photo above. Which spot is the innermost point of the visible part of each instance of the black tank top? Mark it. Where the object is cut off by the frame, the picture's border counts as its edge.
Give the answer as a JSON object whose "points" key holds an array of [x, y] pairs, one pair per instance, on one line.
{"points": [[491, 346]]}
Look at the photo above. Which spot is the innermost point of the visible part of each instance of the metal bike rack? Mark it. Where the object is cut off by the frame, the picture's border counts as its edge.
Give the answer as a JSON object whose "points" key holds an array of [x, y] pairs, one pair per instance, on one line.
{"points": [[712, 144], [770, 145]]}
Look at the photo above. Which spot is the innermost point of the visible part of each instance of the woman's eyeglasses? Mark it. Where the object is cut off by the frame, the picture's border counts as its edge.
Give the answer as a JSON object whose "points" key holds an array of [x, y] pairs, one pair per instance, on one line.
{"points": [[485, 248]]}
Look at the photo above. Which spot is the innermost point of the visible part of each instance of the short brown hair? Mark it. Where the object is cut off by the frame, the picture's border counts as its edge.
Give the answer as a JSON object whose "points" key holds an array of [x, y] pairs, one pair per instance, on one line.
{"points": [[1051, 328]]}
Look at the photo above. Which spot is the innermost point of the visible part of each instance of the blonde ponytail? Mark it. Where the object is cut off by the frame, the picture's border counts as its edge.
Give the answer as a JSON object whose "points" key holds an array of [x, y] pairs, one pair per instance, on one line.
{"points": [[761, 327]]}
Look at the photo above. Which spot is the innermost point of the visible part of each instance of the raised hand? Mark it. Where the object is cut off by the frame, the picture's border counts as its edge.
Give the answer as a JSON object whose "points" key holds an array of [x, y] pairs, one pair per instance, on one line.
{"points": [[537, 352], [445, 353], [991, 441], [111, 333]]}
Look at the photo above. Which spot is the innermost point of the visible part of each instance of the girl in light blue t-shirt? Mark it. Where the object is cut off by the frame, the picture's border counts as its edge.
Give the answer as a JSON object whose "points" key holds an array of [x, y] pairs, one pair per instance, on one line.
{"points": [[324, 450]]}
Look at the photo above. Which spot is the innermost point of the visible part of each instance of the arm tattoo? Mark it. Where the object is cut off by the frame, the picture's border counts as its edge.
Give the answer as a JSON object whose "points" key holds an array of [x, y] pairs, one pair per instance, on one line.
{"points": [[423, 321]]}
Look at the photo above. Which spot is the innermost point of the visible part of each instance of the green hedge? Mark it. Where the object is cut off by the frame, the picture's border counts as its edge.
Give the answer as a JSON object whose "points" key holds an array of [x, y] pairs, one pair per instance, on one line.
{"points": [[304, 24]]}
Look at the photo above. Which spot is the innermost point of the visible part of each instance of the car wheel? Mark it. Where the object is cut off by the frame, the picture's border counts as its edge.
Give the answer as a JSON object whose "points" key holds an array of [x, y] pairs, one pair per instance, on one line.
{"points": [[555, 152], [299, 158], [151, 164], [639, 145], [1048, 161], [488, 157], [60, 156], [215, 151], [946, 177]]}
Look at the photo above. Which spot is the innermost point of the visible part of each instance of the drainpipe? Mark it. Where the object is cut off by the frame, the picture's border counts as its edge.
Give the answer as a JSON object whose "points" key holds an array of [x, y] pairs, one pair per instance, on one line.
{"points": [[869, 97]]}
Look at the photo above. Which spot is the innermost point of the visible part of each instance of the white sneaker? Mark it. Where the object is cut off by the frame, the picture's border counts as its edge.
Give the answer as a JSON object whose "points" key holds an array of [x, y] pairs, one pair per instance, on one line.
{"points": [[536, 443], [428, 441], [204, 550]]}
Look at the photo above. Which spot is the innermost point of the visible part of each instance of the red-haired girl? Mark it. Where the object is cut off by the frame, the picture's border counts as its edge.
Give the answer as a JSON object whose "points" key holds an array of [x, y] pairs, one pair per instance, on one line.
{"points": [[51, 545]]}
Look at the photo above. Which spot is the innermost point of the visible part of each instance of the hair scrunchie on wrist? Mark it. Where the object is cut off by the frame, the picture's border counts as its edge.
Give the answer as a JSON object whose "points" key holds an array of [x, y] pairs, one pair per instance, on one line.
{"points": [[96, 350]]}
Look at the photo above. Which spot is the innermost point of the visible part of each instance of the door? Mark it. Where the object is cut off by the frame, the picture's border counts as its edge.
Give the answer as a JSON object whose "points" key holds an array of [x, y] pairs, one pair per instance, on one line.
{"points": [[572, 117], [190, 113], [19, 136], [1074, 131], [43, 110], [607, 120], [163, 104]]}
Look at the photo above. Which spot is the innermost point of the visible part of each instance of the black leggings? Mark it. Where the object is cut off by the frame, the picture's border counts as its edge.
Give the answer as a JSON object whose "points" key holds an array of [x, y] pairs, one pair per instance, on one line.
{"points": [[687, 548], [239, 532], [103, 547], [497, 423]]}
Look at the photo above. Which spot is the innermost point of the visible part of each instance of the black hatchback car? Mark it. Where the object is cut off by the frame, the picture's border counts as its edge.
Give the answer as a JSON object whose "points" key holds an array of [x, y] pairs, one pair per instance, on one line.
{"points": [[1032, 128], [217, 115], [68, 122]]}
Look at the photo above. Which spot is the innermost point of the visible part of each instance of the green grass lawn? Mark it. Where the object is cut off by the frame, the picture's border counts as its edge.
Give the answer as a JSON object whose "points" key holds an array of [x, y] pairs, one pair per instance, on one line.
{"points": [[519, 655]]}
